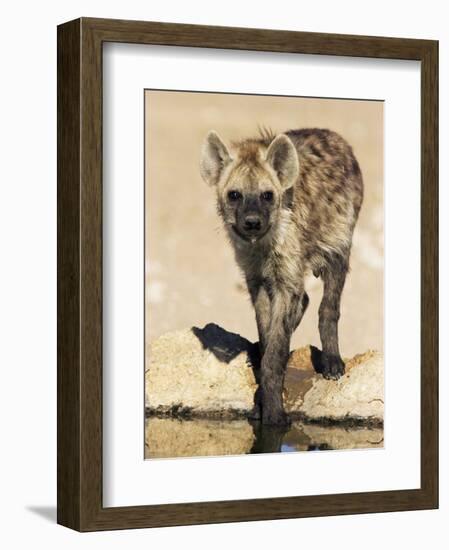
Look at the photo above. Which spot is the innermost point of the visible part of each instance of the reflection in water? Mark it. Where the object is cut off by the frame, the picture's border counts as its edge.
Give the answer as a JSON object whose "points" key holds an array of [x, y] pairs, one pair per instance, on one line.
{"points": [[170, 437]]}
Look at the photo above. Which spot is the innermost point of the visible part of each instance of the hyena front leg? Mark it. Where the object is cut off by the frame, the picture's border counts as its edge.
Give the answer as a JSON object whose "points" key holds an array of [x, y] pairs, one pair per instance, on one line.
{"points": [[286, 312], [329, 313], [262, 307]]}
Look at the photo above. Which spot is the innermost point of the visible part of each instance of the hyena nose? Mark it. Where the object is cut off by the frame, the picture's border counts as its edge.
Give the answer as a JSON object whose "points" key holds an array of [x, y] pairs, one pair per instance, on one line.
{"points": [[252, 223]]}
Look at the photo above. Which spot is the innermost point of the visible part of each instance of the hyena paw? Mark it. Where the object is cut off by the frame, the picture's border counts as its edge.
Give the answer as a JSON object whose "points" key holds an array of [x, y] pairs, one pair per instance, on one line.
{"points": [[332, 366], [275, 418]]}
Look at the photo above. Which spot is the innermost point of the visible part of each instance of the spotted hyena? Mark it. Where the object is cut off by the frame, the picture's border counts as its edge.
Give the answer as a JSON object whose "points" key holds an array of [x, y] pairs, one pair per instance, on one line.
{"points": [[289, 204]]}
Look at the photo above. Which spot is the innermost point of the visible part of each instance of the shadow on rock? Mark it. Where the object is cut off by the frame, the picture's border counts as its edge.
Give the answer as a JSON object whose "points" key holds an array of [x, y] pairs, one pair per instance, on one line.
{"points": [[225, 345], [315, 357]]}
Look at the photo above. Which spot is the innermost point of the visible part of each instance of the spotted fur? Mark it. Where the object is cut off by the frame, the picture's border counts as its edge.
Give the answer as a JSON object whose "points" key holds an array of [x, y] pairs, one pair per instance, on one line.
{"points": [[316, 190]]}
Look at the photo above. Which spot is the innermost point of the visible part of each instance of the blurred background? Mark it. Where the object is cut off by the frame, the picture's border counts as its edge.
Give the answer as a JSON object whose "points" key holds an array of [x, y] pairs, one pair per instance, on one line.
{"points": [[190, 272]]}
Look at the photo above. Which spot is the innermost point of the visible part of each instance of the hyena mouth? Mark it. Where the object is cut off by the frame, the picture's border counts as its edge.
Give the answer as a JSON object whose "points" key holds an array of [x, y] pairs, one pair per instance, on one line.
{"points": [[247, 237]]}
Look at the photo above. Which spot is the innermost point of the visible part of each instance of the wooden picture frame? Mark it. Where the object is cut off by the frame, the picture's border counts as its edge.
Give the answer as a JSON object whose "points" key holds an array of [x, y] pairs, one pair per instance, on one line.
{"points": [[80, 504]]}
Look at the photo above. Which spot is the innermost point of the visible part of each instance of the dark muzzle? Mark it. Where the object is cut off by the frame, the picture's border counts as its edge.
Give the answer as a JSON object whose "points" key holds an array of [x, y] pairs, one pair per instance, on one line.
{"points": [[252, 223]]}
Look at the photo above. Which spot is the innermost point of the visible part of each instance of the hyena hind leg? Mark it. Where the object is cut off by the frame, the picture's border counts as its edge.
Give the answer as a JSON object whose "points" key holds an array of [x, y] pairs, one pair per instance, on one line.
{"points": [[334, 276]]}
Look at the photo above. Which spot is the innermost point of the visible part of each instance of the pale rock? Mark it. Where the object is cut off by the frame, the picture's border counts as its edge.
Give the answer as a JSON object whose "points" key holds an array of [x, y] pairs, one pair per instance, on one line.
{"points": [[202, 371], [210, 373], [357, 396]]}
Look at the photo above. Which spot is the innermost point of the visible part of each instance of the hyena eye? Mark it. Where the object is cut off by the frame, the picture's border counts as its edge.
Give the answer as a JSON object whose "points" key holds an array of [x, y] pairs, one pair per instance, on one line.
{"points": [[267, 196], [234, 195]]}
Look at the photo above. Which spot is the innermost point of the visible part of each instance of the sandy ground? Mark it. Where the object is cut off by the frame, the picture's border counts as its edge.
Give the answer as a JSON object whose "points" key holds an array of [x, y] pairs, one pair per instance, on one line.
{"points": [[191, 275]]}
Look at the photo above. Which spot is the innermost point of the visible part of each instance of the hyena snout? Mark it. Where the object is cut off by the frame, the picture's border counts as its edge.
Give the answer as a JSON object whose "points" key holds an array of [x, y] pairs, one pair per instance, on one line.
{"points": [[253, 219], [252, 226], [252, 223]]}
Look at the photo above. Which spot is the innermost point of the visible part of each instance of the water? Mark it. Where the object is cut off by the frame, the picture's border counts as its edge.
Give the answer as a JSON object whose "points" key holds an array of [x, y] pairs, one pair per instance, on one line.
{"points": [[170, 438]]}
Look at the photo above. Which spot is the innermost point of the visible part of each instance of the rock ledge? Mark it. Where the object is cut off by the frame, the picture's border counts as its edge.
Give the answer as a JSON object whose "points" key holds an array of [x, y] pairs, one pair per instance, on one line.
{"points": [[211, 373]]}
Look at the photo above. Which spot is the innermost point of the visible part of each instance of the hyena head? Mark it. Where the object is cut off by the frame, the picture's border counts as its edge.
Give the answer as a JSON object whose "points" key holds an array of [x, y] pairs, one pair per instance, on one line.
{"points": [[250, 182]]}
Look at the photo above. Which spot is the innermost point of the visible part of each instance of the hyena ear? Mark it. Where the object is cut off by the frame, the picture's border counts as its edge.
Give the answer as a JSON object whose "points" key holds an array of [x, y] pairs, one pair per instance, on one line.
{"points": [[214, 157], [283, 158]]}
